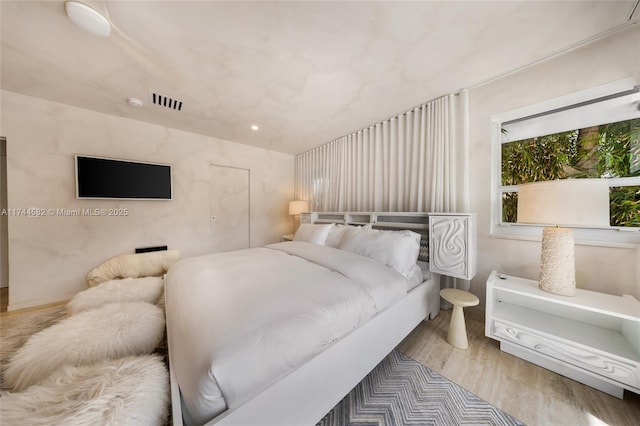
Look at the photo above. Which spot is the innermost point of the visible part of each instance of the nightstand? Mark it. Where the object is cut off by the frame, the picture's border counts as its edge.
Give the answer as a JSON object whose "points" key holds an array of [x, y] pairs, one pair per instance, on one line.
{"points": [[288, 237], [593, 338]]}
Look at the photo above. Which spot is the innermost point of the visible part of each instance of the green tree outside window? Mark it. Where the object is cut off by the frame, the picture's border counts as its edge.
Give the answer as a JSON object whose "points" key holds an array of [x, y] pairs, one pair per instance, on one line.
{"points": [[605, 151]]}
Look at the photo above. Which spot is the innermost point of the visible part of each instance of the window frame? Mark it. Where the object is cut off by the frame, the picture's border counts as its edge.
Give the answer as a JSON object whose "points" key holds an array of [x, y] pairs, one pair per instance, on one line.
{"points": [[624, 237]]}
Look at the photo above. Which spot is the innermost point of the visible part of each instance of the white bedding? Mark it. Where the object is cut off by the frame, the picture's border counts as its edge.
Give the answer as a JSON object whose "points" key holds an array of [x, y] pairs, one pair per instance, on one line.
{"points": [[241, 320]]}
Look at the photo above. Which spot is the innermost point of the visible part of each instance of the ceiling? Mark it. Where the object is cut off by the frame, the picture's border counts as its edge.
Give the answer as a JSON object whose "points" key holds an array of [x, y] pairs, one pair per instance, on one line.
{"points": [[305, 72]]}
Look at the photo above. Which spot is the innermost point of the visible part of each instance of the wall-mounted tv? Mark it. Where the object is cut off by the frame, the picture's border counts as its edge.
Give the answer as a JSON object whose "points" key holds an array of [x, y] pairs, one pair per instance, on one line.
{"points": [[98, 177]]}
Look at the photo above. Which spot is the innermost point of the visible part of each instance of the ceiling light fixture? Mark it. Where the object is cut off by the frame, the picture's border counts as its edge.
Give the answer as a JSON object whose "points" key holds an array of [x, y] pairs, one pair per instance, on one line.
{"points": [[135, 102], [88, 18], [255, 127]]}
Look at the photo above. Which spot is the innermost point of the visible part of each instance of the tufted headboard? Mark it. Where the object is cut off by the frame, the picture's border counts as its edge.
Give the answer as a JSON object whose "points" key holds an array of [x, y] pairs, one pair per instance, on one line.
{"points": [[416, 222]]}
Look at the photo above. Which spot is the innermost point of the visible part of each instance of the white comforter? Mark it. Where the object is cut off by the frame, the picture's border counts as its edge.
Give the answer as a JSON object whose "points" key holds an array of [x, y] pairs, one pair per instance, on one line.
{"points": [[238, 321]]}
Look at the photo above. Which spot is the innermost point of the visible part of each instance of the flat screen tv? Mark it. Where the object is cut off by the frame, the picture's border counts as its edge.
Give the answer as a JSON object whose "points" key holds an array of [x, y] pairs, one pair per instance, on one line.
{"points": [[98, 177]]}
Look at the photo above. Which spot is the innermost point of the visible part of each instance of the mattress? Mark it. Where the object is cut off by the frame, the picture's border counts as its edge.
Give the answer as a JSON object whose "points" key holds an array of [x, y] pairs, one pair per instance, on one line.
{"points": [[239, 321]]}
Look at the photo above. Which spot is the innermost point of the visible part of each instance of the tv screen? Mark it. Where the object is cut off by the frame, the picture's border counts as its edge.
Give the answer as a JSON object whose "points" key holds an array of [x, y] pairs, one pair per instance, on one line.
{"points": [[121, 179]]}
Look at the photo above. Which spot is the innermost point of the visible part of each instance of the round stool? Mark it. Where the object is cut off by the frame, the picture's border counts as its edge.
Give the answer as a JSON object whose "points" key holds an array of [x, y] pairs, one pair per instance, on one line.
{"points": [[457, 330]]}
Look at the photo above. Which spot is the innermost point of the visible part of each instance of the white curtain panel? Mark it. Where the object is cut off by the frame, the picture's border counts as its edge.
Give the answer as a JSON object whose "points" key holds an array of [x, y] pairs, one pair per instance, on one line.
{"points": [[416, 161]]}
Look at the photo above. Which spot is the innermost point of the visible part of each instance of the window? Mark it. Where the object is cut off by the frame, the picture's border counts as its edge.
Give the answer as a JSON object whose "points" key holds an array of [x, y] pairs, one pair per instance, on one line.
{"points": [[594, 134]]}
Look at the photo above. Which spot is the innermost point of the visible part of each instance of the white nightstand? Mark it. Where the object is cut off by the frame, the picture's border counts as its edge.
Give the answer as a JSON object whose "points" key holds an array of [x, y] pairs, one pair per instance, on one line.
{"points": [[593, 338], [288, 237]]}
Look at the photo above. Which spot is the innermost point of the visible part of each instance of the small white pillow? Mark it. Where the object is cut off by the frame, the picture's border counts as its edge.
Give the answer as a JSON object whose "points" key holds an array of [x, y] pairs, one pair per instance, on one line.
{"points": [[426, 271], [311, 233], [397, 249], [414, 278], [338, 231], [336, 234]]}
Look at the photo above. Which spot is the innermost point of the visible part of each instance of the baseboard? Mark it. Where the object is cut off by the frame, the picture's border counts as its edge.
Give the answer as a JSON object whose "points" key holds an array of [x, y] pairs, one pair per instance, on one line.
{"points": [[38, 303]]}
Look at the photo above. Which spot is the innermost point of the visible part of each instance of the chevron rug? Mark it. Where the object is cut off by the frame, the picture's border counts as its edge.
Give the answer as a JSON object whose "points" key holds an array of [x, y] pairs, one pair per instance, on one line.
{"points": [[401, 391]]}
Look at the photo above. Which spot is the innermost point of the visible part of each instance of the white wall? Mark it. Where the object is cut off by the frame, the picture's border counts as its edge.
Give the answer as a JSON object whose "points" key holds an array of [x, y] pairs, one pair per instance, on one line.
{"points": [[608, 270], [50, 256]]}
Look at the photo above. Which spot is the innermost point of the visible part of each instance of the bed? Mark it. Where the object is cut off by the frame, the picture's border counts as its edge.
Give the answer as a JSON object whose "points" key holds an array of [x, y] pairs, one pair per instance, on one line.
{"points": [[277, 335]]}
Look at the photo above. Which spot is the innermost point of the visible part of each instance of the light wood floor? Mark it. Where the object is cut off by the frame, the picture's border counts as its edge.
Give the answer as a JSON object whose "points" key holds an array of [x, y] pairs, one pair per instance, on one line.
{"points": [[4, 299], [530, 393]]}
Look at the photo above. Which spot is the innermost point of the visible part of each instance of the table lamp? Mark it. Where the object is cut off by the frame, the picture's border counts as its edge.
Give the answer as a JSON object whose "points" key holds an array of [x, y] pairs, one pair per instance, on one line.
{"points": [[568, 202], [295, 208]]}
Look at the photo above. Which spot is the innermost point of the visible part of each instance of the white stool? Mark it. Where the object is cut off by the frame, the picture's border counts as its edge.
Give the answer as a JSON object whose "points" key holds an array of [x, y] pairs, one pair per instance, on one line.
{"points": [[457, 330]]}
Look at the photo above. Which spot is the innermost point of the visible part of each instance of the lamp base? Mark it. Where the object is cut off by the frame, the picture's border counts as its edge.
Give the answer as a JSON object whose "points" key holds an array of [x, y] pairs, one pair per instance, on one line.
{"points": [[557, 262], [296, 223]]}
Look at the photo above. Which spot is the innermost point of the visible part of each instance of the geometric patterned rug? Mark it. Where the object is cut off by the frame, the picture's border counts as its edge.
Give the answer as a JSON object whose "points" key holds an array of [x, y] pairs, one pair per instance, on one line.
{"points": [[401, 391]]}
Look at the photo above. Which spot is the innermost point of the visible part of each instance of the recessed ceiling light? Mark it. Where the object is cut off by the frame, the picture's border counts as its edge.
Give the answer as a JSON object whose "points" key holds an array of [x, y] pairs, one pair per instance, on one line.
{"points": [[255, 127], [135, 102], [88, 18]]}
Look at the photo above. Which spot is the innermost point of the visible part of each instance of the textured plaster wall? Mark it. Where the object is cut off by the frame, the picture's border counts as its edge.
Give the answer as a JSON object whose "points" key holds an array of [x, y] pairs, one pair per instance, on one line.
{"points": [[50, 256], [604, 269]]}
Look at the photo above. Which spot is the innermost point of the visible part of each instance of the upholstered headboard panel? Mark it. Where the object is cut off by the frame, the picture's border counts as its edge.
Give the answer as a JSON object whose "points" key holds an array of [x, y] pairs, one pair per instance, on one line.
{"points": [[416, 222]]}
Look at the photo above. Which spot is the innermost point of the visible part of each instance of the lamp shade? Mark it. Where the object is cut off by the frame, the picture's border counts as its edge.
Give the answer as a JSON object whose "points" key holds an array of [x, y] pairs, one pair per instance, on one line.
{"points": [[297, 207], [570, 202]]}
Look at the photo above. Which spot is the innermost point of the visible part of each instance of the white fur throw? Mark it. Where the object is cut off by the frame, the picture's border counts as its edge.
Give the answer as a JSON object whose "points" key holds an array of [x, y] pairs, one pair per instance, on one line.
{"points": [[113, 331], [127, 391], [150, 264], [146, 289]]}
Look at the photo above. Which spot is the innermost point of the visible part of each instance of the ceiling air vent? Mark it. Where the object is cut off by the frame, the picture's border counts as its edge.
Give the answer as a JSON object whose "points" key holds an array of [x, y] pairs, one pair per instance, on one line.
{"points": [[165, 101]]}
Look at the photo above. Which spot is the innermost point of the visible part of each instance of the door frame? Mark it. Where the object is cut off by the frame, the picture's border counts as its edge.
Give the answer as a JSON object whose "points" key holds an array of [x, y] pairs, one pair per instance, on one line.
{"points": [[248, 194]]}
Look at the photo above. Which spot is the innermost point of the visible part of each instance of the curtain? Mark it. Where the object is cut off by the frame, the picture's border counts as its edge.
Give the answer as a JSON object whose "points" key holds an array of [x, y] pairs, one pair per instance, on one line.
{"points": [[416, 161]]}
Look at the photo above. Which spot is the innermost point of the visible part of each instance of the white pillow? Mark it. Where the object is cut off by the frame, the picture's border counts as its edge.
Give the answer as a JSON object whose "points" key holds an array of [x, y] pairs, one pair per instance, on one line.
{"points": [[397, 249], [338, 231], [336, 234], [316, 234], [414, 278]]}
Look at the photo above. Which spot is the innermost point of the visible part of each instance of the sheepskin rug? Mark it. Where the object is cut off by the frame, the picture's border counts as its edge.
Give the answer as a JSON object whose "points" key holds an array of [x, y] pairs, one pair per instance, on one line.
{"points": [[155, 263], [113, 331], [127, 391], [146, 289]]}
